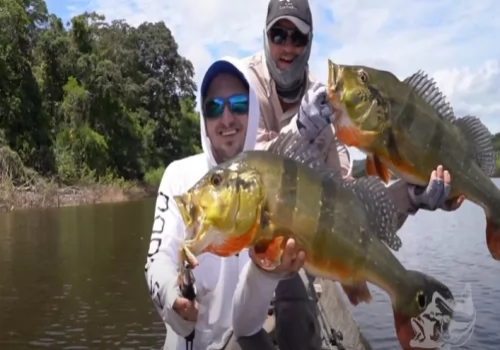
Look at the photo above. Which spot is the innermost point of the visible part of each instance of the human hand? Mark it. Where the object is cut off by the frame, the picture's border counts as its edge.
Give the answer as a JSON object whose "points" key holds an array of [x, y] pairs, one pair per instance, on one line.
{"points": [[186, 309], [291, 259], [315, 112], [435, 195]]}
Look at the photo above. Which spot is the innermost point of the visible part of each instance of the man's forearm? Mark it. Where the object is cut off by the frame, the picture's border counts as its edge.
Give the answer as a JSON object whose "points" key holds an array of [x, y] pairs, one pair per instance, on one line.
{"points": [[252, 299]]}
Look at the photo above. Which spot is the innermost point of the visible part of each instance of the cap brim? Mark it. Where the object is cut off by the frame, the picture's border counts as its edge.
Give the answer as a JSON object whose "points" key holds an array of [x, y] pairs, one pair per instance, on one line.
{"points": [[302, 26], [216, 68]]}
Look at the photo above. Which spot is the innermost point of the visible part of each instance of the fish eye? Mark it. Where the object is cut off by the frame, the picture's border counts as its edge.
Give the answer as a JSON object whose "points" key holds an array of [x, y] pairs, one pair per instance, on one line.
{"points": [[421, 300], [216, 180], [363, 76]]}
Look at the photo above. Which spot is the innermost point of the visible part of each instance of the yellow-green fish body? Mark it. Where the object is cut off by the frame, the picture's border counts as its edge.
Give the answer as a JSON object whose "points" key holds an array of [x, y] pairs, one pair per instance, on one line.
{"points": [[260, 198], [409, 128]]}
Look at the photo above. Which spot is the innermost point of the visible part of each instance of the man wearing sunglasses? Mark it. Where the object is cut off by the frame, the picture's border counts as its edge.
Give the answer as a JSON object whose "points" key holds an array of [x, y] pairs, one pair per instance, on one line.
{"points": [[229, 122], [291, 99], [282, 81]]}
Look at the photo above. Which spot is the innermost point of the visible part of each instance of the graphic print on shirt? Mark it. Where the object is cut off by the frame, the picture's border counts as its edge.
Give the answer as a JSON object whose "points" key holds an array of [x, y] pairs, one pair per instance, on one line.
{"points": [[154, 246]]}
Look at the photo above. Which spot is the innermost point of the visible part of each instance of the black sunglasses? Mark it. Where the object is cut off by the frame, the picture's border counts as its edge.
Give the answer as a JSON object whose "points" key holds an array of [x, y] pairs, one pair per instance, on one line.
{"points": [[278, 36], [214, 107]]}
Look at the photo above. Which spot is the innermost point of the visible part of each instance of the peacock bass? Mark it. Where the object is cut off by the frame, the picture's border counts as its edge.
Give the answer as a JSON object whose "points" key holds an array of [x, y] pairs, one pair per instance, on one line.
{"points": [[407, 127], [261, 198]]}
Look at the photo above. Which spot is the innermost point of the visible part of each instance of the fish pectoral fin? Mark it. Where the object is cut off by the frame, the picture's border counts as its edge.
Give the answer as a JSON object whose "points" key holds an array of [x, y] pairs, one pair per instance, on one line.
{"points": [[269, 252], [353, 136], [375, 167], [357, 292]]}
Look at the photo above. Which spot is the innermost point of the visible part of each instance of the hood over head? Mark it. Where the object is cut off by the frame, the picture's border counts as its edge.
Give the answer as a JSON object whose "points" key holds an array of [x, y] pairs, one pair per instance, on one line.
{"points": [[291, 82], [233, 66]]}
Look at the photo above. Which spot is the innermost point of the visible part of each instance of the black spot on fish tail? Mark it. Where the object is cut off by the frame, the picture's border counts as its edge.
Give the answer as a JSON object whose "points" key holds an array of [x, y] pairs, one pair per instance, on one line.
{"points": [[297, 148], [426, 88], [481, 143], [381, 210]]}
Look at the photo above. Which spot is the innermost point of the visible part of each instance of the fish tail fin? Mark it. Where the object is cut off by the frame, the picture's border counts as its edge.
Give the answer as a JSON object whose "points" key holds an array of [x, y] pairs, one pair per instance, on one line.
{"points": [[481, 142], [357, 293], [422, 296], [493, 237], [381, 210]]}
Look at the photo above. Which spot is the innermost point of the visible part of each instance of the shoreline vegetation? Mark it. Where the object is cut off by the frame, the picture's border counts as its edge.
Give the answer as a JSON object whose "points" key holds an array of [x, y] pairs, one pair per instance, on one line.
{"points": [[90, 110]]}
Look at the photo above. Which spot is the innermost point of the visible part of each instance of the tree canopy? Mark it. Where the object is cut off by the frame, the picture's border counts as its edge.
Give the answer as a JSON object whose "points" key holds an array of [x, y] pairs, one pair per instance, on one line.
{"points": [[90, 98]]}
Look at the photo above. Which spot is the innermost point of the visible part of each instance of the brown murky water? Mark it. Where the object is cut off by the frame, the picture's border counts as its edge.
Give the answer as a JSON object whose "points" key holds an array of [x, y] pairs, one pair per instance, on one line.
{"points": [[73, 278]]}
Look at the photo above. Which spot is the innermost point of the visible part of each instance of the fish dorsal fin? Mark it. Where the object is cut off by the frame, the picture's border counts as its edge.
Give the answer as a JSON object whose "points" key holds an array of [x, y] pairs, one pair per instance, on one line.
{"points": [[292, 145], [476, 133], [480, 141], [381, 211], [426, 88]]}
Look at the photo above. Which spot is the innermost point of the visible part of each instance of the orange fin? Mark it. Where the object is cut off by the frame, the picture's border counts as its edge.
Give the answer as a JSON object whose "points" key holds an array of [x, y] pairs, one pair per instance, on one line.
{"points": [[374, 166], [357, 293], [233, 244], [269, 252], [355, 137], [493, 238]]}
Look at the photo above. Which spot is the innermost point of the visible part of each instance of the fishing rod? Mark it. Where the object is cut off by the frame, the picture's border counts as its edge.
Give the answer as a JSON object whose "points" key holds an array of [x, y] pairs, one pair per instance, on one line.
{"points": [[331, 336], [188, 292]]}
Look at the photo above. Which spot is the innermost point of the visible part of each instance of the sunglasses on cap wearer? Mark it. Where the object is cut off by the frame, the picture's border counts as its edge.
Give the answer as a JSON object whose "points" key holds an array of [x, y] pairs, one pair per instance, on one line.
{"points": [[278, 36], [214, 107]]}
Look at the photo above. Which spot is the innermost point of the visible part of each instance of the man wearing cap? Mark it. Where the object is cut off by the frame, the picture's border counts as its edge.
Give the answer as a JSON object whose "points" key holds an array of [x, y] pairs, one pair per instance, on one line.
{"points": [[282, 80], [290, 98], [230, 114]]}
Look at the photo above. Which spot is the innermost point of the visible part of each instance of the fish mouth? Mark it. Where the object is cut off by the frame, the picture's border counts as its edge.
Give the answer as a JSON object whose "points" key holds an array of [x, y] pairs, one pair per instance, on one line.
{"points": [[335, 82]]}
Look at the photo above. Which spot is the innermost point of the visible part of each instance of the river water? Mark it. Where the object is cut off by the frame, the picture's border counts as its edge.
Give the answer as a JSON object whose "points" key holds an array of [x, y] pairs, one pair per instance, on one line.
{"points": [[73, 278]]}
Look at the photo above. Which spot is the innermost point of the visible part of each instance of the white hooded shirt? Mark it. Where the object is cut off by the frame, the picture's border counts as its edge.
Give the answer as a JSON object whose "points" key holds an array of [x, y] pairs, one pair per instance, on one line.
{"points": [[216, 277]]}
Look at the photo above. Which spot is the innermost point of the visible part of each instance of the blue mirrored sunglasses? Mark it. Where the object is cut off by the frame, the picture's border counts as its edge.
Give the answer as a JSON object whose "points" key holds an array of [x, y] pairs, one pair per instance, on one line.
{"points": [[238, 104]]}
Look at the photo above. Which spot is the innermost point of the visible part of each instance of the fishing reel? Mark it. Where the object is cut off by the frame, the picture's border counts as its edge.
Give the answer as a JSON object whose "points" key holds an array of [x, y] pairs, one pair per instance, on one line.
{"points": [[187, 282], [188, 292]]}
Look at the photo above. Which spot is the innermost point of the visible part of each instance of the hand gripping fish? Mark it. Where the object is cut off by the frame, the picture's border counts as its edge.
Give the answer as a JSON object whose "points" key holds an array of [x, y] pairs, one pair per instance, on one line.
{"points": [[261, 198], [409, 128]]}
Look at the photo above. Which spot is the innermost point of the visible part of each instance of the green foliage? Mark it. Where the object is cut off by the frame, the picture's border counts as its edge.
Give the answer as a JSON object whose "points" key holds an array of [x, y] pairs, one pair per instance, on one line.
{"points": [[153, 177], [92, 100]]}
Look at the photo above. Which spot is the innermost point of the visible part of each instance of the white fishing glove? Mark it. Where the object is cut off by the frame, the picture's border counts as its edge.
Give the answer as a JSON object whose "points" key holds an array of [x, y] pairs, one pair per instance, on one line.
{"points": [[315, 112], [431, 197]]}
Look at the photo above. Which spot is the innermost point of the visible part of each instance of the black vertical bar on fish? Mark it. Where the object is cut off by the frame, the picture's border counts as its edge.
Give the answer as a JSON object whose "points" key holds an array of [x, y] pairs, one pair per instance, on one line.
{"points": [[436, 141], [326, 207], [288, 191]]}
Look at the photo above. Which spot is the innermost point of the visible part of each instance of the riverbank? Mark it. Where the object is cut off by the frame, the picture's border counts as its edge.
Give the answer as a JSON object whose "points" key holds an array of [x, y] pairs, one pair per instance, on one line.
{"points": [[18, 198]]}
